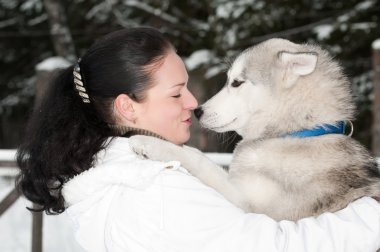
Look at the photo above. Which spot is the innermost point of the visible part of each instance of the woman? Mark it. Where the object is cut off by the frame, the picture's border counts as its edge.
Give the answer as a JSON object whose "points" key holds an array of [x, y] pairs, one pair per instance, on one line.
{"points": [[77, 158]]}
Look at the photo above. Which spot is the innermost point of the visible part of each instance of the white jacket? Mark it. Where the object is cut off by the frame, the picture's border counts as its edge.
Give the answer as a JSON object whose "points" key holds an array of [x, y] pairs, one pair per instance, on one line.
{"points": [[129, 204]]}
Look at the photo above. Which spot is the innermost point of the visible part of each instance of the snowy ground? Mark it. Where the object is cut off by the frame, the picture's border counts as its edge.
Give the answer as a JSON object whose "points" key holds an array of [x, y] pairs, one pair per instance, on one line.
{"points": [[16, 226]]}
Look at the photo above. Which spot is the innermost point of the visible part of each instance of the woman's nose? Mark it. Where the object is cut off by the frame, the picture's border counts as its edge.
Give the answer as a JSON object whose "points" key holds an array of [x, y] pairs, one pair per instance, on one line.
{"points": [[191, 102]]}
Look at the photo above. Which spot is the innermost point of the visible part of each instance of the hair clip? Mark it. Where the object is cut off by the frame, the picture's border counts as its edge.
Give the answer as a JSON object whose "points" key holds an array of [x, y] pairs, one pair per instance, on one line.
{"points": [[79, 83]]}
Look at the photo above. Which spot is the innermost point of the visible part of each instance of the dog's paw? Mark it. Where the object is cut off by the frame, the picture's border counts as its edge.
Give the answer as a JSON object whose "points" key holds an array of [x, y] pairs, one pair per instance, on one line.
{"points": [[148, 147], [139, 146], [193, 150]]}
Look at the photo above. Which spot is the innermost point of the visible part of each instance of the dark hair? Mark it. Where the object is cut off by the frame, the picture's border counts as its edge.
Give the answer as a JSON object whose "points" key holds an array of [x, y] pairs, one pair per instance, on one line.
{"points": [[64, 133]]}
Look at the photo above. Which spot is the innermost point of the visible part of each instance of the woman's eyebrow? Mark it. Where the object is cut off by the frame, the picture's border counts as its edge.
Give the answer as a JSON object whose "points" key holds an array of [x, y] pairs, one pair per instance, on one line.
{"points": [[179, 84]]}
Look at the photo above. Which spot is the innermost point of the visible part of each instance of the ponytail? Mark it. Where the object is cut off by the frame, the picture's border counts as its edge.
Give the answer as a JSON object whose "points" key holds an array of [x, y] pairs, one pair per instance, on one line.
{"points": [[62, 137]]}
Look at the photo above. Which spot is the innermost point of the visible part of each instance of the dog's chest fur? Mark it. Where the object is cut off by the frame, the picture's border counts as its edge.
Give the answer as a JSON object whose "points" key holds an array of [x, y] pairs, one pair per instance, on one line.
{"points": [[289, 178]]}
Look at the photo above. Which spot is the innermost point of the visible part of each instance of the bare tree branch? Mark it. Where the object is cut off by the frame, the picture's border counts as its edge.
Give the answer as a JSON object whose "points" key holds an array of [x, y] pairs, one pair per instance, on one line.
{"points": [[8, 22], [151, 10]]}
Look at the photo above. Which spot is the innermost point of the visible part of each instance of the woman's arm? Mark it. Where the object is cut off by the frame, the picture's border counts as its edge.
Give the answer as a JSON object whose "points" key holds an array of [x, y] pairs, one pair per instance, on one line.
{"points": [[185, 215], [354, 228]]}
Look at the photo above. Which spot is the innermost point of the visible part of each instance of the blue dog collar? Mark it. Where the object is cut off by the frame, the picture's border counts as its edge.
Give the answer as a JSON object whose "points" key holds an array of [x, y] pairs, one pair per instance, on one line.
{"points": [[324, 129]]}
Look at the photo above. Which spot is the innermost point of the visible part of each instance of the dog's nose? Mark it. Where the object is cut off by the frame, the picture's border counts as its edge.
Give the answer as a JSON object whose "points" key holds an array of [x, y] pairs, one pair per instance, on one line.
{"points": [[198, 112]]}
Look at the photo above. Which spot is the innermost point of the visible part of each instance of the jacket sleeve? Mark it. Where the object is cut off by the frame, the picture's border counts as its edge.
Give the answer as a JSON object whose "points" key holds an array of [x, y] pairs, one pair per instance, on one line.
{"points": [[193, 217]]}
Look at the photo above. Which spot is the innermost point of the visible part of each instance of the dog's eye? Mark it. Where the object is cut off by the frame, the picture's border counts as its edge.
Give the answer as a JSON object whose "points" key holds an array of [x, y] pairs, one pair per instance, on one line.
{"points": [[236, 83]]}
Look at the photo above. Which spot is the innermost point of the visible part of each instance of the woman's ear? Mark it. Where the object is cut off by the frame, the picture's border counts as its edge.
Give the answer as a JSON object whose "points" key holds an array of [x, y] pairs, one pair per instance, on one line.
{"points": [[123, 107]]}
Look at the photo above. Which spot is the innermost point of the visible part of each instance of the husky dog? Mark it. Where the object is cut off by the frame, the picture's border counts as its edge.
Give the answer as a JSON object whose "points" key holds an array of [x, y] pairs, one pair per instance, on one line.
{"points": [[289, 102]]}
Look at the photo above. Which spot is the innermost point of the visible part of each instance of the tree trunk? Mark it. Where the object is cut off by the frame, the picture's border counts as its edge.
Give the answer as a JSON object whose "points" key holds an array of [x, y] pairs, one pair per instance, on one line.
{"points": [[376, 99], [59, 30]]}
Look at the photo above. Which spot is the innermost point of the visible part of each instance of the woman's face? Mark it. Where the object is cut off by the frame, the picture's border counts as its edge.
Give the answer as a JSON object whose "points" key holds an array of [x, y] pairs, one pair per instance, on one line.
{"points": [[167, 108]]}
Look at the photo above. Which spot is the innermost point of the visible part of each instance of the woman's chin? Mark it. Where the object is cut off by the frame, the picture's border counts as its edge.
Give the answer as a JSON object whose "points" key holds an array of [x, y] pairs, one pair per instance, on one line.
{"points": [[180, 139]]}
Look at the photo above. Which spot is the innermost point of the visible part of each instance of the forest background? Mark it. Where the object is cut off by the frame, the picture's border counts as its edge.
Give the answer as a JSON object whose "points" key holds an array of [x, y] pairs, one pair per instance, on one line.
{"points": [[206, 33]]}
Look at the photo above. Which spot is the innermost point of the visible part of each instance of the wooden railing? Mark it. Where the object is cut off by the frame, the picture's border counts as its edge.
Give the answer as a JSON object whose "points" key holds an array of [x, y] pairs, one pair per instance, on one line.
{"points": [[8, 168]]}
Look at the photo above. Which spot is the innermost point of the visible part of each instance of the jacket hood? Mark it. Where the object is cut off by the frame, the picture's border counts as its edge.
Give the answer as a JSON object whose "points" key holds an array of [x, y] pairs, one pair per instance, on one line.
{"points": [[117, 164], [89, 195]]}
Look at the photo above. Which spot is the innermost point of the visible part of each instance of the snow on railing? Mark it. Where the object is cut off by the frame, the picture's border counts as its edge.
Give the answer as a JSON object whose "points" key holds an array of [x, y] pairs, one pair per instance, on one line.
{"points": [[7, 163], [8, 156]]}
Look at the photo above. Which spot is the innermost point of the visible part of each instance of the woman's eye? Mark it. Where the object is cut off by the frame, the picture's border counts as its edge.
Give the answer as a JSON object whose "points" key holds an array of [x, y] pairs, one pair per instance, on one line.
{"points": [[177, 96], [236, 83]]}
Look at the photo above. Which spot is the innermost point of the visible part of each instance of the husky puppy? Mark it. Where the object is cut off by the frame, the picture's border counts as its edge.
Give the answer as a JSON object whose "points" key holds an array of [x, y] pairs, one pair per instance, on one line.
{"points": [[289, 103]]}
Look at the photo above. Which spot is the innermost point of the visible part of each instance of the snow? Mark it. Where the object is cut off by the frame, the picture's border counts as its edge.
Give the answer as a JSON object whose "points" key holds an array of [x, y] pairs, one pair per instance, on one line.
{"points": [[363, 26], [231, 35], [16, 222], [223, 159], [365, 5], [198, 58], [16, 226], [37, 20], [235, 9], [207, 58], [323, 31], [224, 11], [362, 85], [53, 63], [213, 71], [97, 11], [238, 12], [7, 154], [149, 9], [17, 97], [9, 4], [31, 5], [10, 100], [343, 18], [376, 44], [8, 22], [362, 6]]}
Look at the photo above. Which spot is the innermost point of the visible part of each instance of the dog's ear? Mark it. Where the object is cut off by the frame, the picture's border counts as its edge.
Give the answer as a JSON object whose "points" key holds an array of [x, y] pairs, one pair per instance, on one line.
{"points": [[296, 65]]}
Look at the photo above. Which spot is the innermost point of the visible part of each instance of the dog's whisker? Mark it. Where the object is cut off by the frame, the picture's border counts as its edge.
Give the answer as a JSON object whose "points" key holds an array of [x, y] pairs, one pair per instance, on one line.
{"points": [[228, 138]]}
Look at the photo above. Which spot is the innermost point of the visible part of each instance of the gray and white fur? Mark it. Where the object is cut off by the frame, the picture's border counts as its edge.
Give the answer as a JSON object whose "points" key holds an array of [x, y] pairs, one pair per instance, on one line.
{"points": [[275, 88]]}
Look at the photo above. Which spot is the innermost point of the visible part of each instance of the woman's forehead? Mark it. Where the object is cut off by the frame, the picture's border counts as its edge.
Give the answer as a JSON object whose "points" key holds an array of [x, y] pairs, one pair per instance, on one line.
{"points": [[172, 72]]}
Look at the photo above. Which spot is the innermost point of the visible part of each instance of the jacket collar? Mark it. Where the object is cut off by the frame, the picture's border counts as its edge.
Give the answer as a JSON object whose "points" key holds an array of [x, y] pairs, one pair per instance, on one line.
{"points": [[117, 164]]}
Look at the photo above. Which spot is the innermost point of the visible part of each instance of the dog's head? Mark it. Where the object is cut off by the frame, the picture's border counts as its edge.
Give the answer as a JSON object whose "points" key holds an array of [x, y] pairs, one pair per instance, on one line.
{"points": [[278, 87]]}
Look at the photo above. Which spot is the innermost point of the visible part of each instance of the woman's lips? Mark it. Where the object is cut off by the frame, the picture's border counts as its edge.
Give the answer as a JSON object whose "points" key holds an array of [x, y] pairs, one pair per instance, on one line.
{"points": [[188, 121]]}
